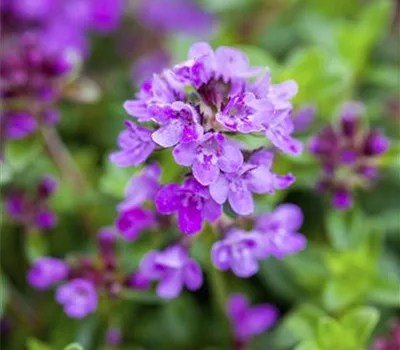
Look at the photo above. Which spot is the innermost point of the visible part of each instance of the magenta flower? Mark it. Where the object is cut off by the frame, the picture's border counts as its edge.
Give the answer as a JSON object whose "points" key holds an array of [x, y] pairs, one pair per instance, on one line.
{"points": [[253, 177], [132, 222], [138, 281], [136, 146], [142, 187], [79, 297], [249, 322], [239, 251], [279, 230], [212, 154], [174, 270], [47, 271], [193, 203]]}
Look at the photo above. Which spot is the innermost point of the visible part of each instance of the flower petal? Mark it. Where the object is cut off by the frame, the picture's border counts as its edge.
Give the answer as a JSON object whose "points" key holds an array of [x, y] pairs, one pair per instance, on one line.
{"points": [[168, 199], [219, 189]]}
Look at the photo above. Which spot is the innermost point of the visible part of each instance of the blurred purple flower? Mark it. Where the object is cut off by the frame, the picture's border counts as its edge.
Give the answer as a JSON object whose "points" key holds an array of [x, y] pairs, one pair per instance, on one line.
{"points": [[303, 118], [47, 271], [138, 281], [130, 223], [174, 269], [247, 321], [113, 337], [148, 64], [19, 124], [279, 230], [78, 297], [193, 203], [240, 252]]}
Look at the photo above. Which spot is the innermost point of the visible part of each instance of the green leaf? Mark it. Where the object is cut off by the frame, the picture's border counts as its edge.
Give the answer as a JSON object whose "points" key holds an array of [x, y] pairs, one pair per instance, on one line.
{"points": [[329, 333], [308, 345], [385, 292], [361, 322], [338, 294], [338, 229], [73, 346], [34, 344]]}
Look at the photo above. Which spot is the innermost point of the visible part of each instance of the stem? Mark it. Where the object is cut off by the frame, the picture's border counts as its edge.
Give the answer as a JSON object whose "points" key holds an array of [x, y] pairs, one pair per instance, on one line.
{"points": [[62, 158], [68, 168]]}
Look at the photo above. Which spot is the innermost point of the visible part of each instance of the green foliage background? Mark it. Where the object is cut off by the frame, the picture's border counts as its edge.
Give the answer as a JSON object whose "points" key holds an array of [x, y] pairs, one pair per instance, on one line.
{"points": [[337, 294]]}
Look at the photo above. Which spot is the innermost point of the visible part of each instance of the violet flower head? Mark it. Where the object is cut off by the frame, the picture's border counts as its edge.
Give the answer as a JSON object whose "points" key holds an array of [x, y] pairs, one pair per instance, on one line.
{"points": [[131, 222], [279, 230], [212, 154], [174, 270], [389, 342], [255, 176], [106, 240], [348, 154], [247, 321], [142, 187], [303, 118], [191, 201], [78, 297], [47, 271], [136, 146], [239, 251], [18, 125]]}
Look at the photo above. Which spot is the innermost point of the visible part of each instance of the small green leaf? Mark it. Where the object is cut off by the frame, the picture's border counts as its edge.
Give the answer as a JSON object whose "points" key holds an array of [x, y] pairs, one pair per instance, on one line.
{"points": [[308, 345], [361, 322], [385, 292], [35, 245]]}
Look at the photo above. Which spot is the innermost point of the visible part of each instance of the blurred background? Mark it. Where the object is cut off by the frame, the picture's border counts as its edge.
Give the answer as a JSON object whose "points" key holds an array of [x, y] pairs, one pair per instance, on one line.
{"points": [[96, 53]]}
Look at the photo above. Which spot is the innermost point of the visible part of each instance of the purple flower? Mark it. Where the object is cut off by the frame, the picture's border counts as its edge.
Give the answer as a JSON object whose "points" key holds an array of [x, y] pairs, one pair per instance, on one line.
{"points": [[142, 187], [249, 322], [347, 154], [208, 156], [136, 146], [375, 143], [45, 219], [47, 185], [47, 271], [255, 176], [279, 230], [179, 123], [245, 114], [15, 205], [78, 297], [342, 199], [193, 203], [174, 270], [106, 240], [138, 281], [183, 16], [19, 124], [132, 222], [239, 251]]}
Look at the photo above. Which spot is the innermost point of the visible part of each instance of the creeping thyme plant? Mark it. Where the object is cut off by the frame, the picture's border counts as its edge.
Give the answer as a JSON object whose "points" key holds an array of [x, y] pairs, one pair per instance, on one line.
{"points": [[199, 174]]}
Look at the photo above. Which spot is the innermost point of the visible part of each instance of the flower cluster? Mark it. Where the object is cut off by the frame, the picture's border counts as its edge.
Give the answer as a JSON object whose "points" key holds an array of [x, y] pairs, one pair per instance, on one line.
{"points": [[42, 45], [83, 279], [32, 211], [348, 155], [248, 322], [195, 108]]}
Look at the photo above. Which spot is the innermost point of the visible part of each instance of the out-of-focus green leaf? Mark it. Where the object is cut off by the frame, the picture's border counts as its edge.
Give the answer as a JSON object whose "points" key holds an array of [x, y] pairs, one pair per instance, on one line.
{"points": [[34, 344], [360, 322], [114, 179], [385, 292], [330, 333]]}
